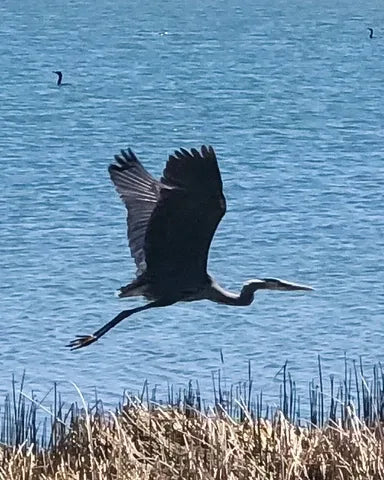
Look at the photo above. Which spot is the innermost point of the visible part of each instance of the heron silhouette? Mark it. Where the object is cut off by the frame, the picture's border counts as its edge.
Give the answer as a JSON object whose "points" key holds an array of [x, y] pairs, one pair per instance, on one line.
{"points": [[171, 224]]}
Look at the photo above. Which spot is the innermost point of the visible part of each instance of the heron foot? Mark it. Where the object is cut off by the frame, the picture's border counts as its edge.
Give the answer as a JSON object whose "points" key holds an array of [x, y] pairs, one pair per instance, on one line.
{"points": [[81, 341]]}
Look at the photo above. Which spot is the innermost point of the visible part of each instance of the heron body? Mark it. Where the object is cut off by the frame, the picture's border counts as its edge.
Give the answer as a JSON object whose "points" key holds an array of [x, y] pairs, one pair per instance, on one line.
{"points": [[171, 223]]}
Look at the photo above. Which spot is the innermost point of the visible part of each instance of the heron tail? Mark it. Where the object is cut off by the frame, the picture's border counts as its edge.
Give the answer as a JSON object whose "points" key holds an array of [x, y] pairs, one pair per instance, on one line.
{"points": [[133, 289]]}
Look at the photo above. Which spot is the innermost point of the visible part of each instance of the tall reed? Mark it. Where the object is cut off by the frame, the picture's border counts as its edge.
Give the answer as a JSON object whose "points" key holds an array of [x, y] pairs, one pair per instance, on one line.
{"points": [[235, 437]]}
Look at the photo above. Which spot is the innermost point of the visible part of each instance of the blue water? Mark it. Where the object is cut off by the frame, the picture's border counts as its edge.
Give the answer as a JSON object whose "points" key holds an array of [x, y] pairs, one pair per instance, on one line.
{"points": [[290, 96]]}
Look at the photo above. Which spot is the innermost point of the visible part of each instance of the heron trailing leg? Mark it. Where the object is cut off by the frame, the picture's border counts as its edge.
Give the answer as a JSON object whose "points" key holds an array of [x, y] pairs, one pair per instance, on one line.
{"points": [[85, 340]]}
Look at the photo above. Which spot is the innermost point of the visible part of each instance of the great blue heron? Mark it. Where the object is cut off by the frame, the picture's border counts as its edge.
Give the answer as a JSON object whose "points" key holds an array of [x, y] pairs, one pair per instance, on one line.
{"points": [[171, 224]]}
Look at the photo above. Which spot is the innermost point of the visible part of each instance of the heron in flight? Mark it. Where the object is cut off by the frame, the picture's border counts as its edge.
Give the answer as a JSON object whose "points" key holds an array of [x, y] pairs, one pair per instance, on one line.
{"points": [[171, 224]]}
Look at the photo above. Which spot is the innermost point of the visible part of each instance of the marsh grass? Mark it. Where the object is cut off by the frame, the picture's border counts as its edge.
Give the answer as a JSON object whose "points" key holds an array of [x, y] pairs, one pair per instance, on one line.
{"points": [[236, 437]]}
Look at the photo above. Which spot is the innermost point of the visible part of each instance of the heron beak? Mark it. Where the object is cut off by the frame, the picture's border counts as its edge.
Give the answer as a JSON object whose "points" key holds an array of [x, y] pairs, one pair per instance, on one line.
{"points": [[277, 284], [294, 286]]}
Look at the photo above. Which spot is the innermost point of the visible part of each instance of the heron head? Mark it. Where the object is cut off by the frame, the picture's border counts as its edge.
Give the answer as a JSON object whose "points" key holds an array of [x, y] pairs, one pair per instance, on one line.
{"points": [[57, 72]]}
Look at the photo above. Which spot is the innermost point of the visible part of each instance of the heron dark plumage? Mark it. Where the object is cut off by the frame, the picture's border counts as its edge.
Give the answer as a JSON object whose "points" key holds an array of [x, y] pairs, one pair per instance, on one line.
{"points": [[60, 78], [171, 223]]}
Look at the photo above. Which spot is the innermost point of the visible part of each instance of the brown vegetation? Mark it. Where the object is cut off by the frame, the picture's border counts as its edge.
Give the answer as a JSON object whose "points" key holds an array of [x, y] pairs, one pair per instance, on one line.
{"points": [[166, 443], [235, 439]]}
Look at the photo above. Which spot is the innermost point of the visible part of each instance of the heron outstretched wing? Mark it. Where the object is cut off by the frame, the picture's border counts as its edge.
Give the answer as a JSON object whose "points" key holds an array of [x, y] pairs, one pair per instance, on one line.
{"points": [[140, 193], [190, 207]]}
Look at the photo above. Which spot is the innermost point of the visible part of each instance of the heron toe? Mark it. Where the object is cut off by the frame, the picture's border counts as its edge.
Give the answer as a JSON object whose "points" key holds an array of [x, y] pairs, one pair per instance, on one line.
{"points": [[81, 341]]}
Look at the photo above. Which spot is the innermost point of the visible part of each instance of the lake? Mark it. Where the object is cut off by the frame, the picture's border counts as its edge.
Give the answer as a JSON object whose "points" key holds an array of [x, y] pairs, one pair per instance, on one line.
{"points": [[291, 98]]}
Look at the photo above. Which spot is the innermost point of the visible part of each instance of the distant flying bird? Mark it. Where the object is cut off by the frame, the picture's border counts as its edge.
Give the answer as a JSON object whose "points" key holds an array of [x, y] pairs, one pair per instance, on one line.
{"points": [[370, 32], [60, 78], [171, 224]]}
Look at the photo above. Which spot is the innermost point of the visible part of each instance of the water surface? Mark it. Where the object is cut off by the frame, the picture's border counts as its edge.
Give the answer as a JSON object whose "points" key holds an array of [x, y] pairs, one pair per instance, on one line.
{"points": [[290, 96]]}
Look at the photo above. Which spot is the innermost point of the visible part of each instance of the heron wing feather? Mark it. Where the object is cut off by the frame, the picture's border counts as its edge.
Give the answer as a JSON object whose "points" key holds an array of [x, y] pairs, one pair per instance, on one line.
{"points": [[140, 193], [190, 207]]}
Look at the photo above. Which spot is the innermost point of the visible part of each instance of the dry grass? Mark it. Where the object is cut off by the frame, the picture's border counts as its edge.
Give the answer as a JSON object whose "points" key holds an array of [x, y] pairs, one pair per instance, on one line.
{"points": [[237, 439], [165, 443]]}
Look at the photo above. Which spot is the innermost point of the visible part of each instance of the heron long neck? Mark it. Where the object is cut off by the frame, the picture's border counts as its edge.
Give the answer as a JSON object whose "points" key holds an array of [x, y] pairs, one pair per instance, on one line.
{"points": [[220, 295]]}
